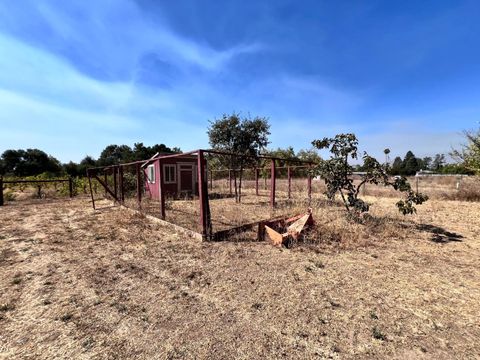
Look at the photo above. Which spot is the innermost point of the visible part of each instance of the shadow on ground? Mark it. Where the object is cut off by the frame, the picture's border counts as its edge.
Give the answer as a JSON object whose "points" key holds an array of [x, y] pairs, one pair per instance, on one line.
{"points": [[439, 234]]}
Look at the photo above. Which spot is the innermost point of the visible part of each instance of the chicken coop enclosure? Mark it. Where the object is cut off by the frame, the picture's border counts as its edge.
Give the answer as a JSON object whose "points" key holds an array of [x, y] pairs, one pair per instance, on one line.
{"points": [[214, 194]]}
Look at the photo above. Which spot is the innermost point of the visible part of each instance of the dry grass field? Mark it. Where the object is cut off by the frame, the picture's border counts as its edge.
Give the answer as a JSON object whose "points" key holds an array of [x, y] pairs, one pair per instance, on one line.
{"points": [[110, 284]]}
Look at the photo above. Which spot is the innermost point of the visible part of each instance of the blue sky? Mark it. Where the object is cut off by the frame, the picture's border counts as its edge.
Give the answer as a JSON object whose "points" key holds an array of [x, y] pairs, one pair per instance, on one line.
{"points": [[76, 76]]}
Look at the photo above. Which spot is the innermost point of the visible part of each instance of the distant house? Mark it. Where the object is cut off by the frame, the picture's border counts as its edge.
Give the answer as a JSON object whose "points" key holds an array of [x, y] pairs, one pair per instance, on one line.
{"points": [[179, 175]]}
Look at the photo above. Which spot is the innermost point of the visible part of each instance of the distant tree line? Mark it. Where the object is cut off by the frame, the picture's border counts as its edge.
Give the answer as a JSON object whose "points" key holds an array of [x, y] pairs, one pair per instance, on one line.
{"points": [[32, 162], [410, 165]]}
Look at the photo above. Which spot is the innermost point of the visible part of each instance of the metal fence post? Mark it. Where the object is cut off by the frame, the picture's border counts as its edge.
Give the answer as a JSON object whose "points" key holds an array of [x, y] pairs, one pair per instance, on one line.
{"points": [[105, 179], [289, 175], [115, 172], [272, 186], [120, 184], [90, 185], [211, 180], [205, 221], [139, 185], [162, 191]]}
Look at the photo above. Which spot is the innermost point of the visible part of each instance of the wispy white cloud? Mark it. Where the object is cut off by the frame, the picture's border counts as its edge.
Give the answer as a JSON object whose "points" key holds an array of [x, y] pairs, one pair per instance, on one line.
{"points": [[112, 35], [46, 94], [77, 76]]}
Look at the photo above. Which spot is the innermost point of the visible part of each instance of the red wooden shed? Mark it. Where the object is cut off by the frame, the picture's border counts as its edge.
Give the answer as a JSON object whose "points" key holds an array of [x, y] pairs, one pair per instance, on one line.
{"points": [[179, 175]]}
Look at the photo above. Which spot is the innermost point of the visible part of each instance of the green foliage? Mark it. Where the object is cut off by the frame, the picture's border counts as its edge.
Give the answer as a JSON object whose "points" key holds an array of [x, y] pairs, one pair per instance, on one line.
{"points": [[288, 157], [28, 162], [245, 136], [116, 154], [337, 174], [438, 162], [9, 196], [460, 169], [242, 136], [32, 162], [469, 154], [411, 164]]}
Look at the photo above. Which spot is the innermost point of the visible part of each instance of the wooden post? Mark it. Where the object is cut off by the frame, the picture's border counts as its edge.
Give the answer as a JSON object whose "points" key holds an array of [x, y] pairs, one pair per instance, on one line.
{"points": [[256, 181], [230, 180], [309, 186], [115, 172], [120, 184], [205, 221], [1, 191], [162, 191], [91, 192], [105, 179], [289, 176], [70, 186], [139, 185], [272, 185], [211, 180]]}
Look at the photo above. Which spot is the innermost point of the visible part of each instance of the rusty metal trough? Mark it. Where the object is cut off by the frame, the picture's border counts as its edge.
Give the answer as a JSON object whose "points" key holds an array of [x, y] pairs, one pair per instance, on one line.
{"points": [[287, 230]]}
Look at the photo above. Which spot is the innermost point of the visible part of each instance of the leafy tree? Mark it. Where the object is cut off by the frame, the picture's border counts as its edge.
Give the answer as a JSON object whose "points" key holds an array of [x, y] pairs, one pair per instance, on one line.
{"points": [[115, 154], [10, 159], [87, 162], [72, 169], [411, 164], [438, 162], [456, 169], [244, 136], [337, 174], [469, 153], [29, 162], [426, 163], [288, 154], [309, 155], [397, 166], [142, 152]]}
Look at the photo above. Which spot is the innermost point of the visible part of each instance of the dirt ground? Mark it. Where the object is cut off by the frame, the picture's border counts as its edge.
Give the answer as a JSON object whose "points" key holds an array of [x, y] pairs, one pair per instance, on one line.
{"points": [[109, 284]]}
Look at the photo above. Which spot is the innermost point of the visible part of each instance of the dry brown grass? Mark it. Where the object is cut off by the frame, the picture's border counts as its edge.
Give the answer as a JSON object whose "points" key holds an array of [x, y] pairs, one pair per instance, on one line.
{"points": [[109, 284]]}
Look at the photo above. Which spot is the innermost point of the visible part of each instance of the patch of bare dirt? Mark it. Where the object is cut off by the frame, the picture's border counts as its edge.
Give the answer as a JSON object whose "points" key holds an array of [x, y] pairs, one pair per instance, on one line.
{"points": [[109, 284]]}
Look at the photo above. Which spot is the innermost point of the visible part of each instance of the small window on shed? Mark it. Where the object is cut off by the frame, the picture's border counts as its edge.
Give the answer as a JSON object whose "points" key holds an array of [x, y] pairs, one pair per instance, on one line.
{"points": [[151, 174], [170, 173]]}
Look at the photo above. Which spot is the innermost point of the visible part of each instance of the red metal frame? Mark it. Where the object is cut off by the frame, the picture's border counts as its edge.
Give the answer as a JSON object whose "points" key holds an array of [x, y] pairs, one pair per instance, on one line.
{"points": [[289, 176], [115, 173], [205, 216], [139, 185], [120, 183], [162, 192], [272, 184]]}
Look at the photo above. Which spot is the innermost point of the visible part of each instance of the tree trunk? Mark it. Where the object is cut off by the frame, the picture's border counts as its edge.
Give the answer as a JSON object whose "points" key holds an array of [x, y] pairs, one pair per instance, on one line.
{"points": [[235, 184], [240, 185]]}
